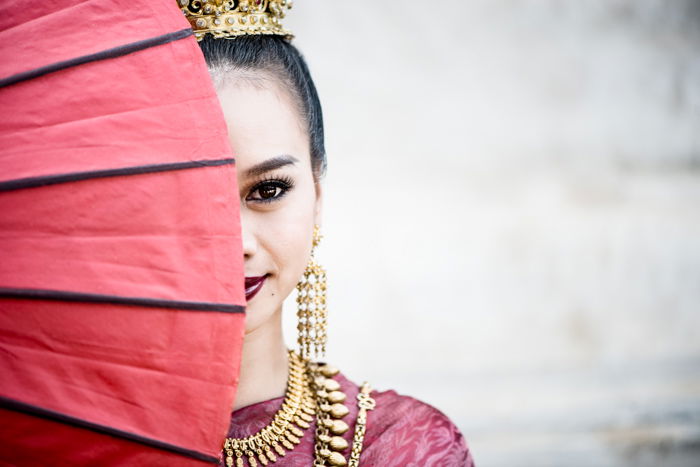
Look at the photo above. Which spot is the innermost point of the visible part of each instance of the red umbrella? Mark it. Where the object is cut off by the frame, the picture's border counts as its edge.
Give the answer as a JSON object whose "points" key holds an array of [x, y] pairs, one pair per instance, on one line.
{"points": [[121, 267]]}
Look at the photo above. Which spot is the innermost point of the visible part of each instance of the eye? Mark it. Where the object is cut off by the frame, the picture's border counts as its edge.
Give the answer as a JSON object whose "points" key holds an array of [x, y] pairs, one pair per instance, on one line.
{"points": [[269, 190]]}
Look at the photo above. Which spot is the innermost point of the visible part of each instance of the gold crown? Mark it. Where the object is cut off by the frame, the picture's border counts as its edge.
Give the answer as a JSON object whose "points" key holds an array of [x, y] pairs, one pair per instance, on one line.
{"points": [[231, 18]]}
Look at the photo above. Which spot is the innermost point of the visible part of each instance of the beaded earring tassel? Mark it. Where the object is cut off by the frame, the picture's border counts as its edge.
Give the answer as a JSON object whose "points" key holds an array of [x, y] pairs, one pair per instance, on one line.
{"points": [[311, 306]]}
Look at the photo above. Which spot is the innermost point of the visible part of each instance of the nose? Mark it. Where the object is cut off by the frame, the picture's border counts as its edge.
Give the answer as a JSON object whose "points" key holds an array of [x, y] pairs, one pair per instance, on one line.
{"points": [[250, 244]]}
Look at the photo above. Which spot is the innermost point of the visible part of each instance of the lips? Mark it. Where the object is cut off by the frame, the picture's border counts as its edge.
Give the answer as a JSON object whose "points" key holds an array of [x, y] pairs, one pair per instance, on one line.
{"points": [[253, 286]]}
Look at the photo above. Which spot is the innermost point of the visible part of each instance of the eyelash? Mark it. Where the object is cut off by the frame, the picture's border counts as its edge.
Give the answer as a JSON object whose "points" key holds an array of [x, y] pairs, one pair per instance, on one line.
{"points": [[284, 183]]}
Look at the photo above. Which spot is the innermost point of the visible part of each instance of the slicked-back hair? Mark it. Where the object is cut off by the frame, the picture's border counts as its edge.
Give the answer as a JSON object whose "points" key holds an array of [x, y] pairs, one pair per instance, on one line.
{"points": [[278, 58]]}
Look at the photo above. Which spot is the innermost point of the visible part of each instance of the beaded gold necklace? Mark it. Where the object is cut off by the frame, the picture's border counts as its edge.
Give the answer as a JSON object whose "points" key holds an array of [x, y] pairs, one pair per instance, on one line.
{"points": [[310, 390]]}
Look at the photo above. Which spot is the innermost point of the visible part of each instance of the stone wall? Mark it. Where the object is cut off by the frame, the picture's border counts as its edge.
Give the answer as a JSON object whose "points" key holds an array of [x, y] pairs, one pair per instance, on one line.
{"points": [[512, 218]]}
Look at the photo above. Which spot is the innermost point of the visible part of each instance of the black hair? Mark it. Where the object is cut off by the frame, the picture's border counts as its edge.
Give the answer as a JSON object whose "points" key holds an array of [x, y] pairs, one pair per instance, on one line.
{"points": [[276, 56]]}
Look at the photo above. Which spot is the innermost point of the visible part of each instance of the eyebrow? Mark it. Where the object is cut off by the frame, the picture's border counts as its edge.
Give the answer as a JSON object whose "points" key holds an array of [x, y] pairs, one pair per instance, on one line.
{"points": [[271, 164]]}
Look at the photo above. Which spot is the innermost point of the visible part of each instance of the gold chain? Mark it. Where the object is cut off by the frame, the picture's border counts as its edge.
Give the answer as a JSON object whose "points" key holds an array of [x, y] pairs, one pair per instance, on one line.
{"points": [[287, 426], [365, 403], [329, 411], [311, 390]]}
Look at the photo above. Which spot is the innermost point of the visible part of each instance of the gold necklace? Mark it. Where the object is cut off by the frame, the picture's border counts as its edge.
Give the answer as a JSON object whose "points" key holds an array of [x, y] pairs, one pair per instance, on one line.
{"points": [[310, 390], [286, 429]]}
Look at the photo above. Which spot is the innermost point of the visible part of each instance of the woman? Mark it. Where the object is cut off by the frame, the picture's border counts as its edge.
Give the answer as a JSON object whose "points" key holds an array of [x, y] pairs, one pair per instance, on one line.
{"points": [[287, 409]]}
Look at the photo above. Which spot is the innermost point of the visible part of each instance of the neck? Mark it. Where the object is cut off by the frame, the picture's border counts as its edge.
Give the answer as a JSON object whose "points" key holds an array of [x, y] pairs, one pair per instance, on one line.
{"points": [[264, 364]]}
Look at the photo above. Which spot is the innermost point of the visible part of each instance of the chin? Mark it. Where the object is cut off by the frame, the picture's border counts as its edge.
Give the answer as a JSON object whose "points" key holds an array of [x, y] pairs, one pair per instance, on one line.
{"points": [[257, 314]]}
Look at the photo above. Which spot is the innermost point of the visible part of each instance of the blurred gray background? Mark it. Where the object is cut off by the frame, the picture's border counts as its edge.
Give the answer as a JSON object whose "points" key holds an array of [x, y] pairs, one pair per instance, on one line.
{"points": [[512, 218]]}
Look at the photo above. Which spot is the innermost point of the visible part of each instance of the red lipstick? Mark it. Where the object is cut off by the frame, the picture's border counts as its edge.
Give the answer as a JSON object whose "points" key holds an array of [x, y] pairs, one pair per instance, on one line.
{"points": [[253, 286]]}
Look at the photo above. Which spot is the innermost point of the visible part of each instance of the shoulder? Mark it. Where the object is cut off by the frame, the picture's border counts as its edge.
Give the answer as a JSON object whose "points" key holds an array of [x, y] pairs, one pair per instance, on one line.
{"points": [[404, 431], [408, 432]]}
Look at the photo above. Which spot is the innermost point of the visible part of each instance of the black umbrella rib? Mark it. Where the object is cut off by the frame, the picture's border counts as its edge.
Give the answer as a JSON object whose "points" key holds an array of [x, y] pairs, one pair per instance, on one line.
{"points": [[118, 51], [43, 180], [81, 297], [22, 407]]}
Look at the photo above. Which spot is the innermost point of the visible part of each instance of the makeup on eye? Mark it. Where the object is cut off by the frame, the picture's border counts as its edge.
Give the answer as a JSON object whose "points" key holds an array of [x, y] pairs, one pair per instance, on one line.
{"points": [[269, 189]]}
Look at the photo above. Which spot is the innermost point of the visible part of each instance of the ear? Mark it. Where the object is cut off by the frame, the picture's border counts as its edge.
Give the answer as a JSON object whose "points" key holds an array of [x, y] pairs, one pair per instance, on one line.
{"points": [[318, 204]]}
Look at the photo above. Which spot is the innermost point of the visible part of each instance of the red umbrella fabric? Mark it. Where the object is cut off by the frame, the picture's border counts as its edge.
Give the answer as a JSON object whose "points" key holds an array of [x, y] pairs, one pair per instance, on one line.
{"points": [[121, 267]]}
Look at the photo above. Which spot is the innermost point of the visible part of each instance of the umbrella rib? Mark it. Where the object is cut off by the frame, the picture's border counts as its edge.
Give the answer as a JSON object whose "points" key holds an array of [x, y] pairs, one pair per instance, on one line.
{"points": [[118, 51], [43, 180], [23, 407], [82, 297]]}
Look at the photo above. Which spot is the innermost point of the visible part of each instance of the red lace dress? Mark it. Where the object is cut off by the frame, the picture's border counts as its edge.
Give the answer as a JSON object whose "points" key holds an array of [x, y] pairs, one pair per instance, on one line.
{"points": [[401, 431]]}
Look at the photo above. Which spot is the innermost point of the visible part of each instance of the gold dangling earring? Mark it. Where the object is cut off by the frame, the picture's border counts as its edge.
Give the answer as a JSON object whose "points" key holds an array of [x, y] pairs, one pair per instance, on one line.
{"points": [[311, 306]]}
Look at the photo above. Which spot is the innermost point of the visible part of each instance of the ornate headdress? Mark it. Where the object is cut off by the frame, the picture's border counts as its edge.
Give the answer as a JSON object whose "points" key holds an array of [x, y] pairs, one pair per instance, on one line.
{"points": [[231, 18]]}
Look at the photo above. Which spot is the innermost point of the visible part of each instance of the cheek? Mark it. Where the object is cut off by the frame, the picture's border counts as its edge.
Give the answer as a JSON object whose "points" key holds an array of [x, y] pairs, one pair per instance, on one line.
{"points": [[288, 235]]}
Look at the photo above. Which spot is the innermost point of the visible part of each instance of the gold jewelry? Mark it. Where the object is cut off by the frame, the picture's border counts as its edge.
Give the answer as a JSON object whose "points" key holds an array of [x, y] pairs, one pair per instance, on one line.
{"points": [[286, 429], [310, 390], [311, 306], [231, 18], [365, 403], [329, 411]]}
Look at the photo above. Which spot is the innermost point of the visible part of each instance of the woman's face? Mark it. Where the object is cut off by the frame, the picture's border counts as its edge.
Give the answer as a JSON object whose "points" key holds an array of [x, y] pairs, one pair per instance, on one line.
{"points": [[280, 201]]}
